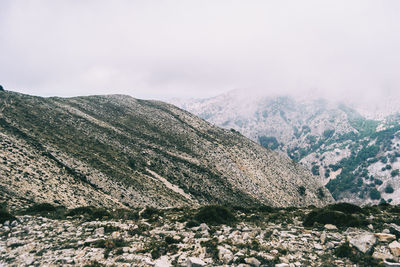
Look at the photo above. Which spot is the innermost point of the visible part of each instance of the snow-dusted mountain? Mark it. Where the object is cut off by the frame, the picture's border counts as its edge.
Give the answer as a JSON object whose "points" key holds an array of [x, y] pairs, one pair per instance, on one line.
{"points": [[353, 148]]}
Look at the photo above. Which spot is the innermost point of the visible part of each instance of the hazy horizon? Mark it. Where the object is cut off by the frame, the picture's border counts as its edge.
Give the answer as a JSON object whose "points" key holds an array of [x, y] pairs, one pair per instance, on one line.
{"points": [[199, 49]]}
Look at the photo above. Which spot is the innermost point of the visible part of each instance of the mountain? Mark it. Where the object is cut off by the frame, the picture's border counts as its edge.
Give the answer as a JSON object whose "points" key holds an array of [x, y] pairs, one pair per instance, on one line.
{"points": [[117, 151], [353, 151]]}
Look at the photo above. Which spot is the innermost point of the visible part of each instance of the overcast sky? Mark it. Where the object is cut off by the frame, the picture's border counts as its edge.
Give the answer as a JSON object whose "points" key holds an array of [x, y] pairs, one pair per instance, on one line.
{"points": [[164, 49]]}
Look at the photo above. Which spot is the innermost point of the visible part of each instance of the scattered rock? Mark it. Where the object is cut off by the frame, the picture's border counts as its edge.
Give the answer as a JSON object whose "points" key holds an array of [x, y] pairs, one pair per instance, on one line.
{"points": [[363, 241], [253, 262], [395, 248], [391, 264], [195, 262], [162, 262], [330, 227], [382, 237]]}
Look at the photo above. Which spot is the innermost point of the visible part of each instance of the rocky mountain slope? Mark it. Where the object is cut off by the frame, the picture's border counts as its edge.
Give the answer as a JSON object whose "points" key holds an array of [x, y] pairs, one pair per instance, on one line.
{"points": [[117, 151], [356, 157]]}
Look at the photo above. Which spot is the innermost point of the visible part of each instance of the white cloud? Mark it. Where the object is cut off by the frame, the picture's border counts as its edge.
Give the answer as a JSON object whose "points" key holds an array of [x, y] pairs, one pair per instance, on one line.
{"points": [[162, 49]]}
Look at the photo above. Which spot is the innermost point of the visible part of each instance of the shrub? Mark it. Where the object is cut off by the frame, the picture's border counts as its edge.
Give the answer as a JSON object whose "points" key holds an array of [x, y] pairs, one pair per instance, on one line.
{"points": [[320, 193], [98, 214], [326, 216], [302, 190], [394, 173], [374, 194], [328, 133], [211, 247], [360, 259], [132, 164], [1, 88], [268, 142], [344, 251], [41, 208], [215, 215], [389, 189], [345, 208], [91, 213], [79, 211], [150, 213], [5, 216], [192, 223], [315, 170]]}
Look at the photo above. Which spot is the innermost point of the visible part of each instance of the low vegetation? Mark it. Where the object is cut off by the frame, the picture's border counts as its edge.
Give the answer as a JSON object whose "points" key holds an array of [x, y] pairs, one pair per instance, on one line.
{"points": [[215, 215]]}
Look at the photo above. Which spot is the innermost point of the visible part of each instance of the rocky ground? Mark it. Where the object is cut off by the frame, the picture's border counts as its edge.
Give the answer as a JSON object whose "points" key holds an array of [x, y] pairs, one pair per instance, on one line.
{"points": [[210, 236]]}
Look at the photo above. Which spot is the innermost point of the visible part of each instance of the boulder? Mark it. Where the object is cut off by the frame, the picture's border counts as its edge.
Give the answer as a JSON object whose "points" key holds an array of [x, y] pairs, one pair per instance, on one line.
{"points": [[330, 227], [391, 264], [363, 241], [395, 248], [195, 262], [162, 262], [225, 255], [382, 237], [253, 262]]}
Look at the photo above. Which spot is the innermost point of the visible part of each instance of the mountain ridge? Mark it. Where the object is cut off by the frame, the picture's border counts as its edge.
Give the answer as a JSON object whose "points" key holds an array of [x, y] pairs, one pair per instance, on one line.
{"points": [[130, 152], [347, 150]]}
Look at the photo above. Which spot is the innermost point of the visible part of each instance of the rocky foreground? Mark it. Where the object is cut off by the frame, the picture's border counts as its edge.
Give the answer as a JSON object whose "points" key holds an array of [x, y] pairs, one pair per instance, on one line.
{"points": [[210, 236]]}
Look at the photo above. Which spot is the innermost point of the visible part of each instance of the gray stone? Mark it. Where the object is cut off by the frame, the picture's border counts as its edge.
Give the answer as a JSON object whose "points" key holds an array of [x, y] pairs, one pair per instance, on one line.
{"points": [[363, 241], [195, 262], [99, 231], [224, 254], [395, 248], [330, 227], [204, 227], [391, 264], [394, 229], [323, 237], [253, 262], [162, 262]]}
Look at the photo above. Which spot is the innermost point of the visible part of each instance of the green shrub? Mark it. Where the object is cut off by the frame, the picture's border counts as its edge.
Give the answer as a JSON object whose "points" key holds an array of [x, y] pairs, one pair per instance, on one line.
{"points": [[315, 170], [192, 223], [151, 213], [344, 251], [394, 173], [360, 259], [264, 208], [320, 193], [326, 216], [374, 194], [302, 190], [80, 211], [211, 247], [389, 189], [345, 208], [5, 216], [215, 215], [90, 213], [41, 208], [98, 214], [268, 142]]}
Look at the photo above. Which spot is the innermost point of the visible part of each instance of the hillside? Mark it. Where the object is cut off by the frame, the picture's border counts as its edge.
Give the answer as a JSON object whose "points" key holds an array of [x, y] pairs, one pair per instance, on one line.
{"points": [[117, 151], [354, 155]]}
